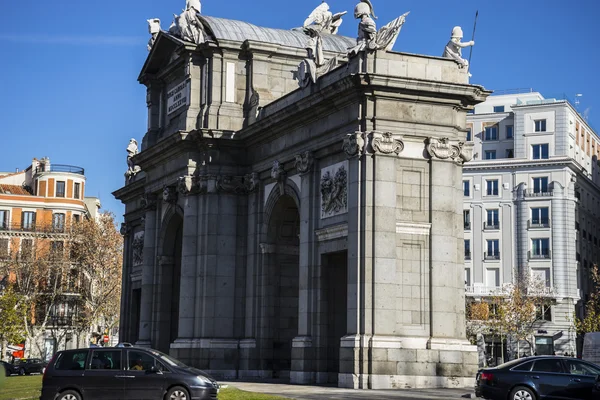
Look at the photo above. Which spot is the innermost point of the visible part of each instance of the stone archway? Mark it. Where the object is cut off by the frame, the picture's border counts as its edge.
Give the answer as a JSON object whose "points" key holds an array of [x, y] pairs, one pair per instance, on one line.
{"points": [[280, 286], [169, 277]]}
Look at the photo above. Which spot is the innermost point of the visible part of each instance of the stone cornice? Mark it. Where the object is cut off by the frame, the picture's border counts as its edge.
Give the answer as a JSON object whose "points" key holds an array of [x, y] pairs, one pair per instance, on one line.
{"points": [[332, 232]]}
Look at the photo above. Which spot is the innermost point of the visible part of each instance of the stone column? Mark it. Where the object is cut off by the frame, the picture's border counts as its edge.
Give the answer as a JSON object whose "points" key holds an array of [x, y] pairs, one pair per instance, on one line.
{"points": [[149, 203], [303, 352], [125, 327], [189, 252]]}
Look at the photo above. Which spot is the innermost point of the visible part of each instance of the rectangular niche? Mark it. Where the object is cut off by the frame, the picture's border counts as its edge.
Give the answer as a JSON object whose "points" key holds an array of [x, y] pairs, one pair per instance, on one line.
{"points": [[334, 190]]}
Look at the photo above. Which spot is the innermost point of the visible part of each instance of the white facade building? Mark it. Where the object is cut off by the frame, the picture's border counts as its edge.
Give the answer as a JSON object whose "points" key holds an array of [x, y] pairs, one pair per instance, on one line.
{"points": [[532, 202]]}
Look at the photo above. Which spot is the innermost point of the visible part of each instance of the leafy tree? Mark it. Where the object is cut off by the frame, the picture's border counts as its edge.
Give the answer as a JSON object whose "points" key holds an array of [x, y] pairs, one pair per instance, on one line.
{"points": [[591, 320], [11, 318]]}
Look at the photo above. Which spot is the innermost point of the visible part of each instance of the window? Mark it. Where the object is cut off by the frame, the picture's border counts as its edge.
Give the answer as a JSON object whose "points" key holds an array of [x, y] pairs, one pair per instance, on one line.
{"points": [[492, 220], [577, 367], [491, 133], [540, 185], [57, 250], [140, 361], [467, 249], [539, 151], [4, 219], [492, 187], [510, 153], [28, 220], [27, 249], [467, 219], [492, 277], [467, 277], [546, 365], [469, 135], [490, 154], [71, 360], [540, 125], [76, 218], [539, 216], [60, 189], [540, 248], [544, 346], [510, 131], [76, 190], [58, 222], [106, 359], [4, 243], [493, 249], [544, 312], [466, 188], [524, 367], [498, 109]]}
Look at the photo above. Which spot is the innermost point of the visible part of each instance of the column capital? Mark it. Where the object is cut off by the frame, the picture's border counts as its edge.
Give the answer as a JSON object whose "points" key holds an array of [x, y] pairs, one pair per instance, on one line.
{"points": [[305, 162]]}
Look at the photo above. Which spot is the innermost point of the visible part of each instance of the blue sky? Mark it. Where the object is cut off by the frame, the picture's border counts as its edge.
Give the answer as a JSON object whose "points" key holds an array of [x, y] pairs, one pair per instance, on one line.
{"points": [[68, 68]]}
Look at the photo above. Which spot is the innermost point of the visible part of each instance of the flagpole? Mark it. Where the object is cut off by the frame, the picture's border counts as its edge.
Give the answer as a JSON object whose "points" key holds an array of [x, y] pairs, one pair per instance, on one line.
{"points": [[473, 38]]}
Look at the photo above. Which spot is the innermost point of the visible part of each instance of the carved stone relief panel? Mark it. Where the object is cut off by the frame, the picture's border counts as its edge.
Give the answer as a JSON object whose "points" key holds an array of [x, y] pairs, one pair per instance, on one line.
{"points": [[334, 190], [138, 248]]}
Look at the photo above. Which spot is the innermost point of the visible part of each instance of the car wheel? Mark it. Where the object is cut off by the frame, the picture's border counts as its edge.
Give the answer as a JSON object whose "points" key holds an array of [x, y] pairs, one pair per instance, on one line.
{"points": [[69, 395], [177, 393], [522, 393]]}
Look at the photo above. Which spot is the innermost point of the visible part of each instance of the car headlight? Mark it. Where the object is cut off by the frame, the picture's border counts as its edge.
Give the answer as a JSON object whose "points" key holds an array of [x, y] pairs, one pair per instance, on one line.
{"points": [[204, 380]]}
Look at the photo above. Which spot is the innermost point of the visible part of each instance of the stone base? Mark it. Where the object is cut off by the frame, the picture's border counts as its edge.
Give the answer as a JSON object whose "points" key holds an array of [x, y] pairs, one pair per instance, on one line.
{"points": [[392, 362], [351, 381]]}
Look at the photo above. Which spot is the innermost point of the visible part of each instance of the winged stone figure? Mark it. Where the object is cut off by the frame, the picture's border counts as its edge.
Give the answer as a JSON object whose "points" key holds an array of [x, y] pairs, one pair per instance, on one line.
{"points": [[324, 20]]}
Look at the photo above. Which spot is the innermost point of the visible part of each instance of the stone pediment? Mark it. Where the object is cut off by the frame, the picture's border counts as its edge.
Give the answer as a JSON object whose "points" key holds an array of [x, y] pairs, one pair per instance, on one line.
{"points": [[161, 53]]}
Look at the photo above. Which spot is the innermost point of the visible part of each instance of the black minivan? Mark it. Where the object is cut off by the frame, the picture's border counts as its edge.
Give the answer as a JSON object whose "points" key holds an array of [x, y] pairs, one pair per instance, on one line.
{"points": [[123, 373]]}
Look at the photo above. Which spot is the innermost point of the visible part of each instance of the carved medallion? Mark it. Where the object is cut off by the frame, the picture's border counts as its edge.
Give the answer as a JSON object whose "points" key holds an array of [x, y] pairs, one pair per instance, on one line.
{"points": [[304, 162], [385, 143], [354, 144], [446, 149]]}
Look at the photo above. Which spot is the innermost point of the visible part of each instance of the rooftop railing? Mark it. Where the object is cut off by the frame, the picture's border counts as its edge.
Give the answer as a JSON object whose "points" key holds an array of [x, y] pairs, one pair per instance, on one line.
{"points": [[33, 227], [60, 168]]}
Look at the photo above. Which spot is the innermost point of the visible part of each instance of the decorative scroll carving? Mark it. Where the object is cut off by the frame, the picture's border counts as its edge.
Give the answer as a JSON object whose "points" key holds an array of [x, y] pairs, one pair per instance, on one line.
{"points": [[385, 143], [446, 149], [334, 190], [304, 162], [354, 144], [148, 201], [170, 194], [138, 248], [230, 184]]}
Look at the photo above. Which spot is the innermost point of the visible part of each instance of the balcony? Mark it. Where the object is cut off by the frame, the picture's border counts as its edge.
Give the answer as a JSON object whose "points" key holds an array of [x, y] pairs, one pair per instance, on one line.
{"points": [[491, 256], [477, 290], [467, 255], [37, 228], [494, 226], [538, 223], [544, 255], [533, 193], [71, 169]]}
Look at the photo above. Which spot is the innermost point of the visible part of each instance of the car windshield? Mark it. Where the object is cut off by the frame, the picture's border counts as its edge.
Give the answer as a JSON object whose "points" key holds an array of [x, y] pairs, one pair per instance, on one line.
{"points": [[168, 359]]}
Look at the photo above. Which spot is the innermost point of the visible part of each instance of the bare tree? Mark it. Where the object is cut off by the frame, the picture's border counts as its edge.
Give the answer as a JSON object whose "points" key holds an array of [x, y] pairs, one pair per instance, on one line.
{"points": [[591, 318]]}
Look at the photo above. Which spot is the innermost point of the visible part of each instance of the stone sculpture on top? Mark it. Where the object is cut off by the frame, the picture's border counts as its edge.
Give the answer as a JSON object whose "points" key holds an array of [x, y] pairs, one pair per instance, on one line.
{"points": [[369, 39], [153, 29], [132, 150], [323, 20], [187, 25], [454, 47]]}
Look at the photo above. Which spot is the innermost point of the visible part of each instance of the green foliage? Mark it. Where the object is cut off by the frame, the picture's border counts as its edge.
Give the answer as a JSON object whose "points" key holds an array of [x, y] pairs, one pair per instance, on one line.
{"points": [[20, 387], [12, 312], [591, 320]]}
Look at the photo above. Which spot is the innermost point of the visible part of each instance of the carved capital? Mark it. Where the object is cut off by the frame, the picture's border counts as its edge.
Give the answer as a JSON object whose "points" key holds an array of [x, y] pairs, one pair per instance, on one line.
{"points": [[186, 184], [385, 143], [304, 162], [354, 143], [446, 149], [148, 201], [251, 182], [170, 194]]}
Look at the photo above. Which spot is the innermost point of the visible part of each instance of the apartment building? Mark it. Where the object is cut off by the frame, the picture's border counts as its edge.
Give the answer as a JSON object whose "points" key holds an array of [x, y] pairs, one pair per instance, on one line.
{"points": [[37, 204], [532, 204]]}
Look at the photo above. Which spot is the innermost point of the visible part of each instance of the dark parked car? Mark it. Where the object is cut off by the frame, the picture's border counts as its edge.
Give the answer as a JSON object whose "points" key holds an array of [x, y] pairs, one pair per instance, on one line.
{"points": [[9, 368], [542, 377], [123, 373], [24, 367]]}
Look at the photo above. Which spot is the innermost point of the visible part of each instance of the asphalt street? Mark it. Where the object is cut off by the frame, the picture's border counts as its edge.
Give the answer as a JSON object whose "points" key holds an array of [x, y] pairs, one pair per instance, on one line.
{"points": [[301, 392]]}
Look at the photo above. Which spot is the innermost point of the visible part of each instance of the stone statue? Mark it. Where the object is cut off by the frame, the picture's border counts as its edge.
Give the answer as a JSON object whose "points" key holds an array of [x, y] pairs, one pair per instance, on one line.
{"points": [[132, 150], [153, 29], [454, 47], [322, 20], [369, 39], [187, 25]]}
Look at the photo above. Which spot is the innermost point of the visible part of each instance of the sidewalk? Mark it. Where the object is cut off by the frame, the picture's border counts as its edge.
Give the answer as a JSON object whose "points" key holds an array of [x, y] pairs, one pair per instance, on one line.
{"points": [[301, 392]]}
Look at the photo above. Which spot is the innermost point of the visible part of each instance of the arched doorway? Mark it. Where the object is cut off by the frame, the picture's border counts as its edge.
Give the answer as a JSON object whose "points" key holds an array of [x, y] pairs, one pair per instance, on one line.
{"points": [[281, 286], [169, 277]]}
